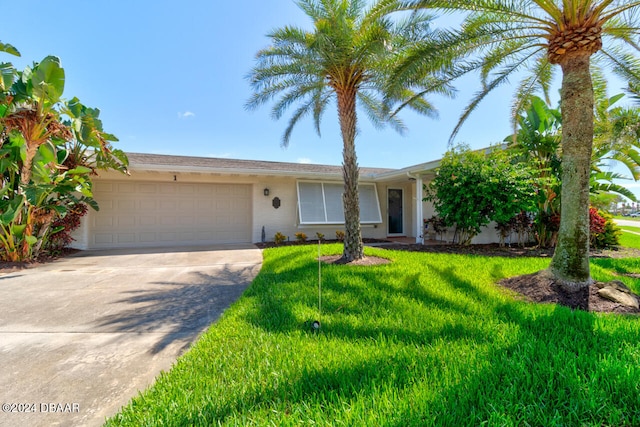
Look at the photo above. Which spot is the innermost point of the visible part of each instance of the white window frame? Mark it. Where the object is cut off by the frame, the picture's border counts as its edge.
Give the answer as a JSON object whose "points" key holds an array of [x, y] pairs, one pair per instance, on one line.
{"points": [[377, 213]]}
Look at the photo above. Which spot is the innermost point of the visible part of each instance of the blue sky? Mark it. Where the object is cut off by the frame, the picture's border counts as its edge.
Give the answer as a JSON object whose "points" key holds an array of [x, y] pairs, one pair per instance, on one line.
{"points": [[170, 78]]}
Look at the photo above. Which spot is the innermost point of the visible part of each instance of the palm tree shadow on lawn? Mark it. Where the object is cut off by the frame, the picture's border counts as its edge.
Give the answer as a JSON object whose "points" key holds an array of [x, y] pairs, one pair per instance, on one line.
{"points": [[493, 382], [536, 287]]}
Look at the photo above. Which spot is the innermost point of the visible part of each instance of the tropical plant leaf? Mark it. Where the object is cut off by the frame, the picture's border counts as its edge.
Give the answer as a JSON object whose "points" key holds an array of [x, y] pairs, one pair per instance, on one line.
{"points": [[7, 48], [7, 76], [48, 80], [10, 209]]}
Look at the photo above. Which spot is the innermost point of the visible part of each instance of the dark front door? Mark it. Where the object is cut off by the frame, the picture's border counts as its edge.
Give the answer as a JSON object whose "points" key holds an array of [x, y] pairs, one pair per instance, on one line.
{"points": [[395, 207]]}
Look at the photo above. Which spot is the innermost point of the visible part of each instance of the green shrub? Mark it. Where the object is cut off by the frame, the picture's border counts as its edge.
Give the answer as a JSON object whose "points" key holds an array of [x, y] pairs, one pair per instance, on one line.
{"points": [[320, 236], [473, 188], [340, 235], [301, 237]]}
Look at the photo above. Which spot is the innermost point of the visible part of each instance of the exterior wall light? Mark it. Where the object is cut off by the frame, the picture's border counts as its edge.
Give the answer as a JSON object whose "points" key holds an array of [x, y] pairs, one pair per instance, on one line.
{"points": [[266, 192]]}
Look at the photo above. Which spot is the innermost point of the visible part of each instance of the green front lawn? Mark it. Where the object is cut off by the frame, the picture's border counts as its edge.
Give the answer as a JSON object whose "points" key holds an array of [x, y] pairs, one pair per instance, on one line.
{"points": [[630, 240], [426, 340]]}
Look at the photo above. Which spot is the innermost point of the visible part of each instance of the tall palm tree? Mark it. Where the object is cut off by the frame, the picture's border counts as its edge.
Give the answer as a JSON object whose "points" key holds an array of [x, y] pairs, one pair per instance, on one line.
{"points": [[345, 59], [503, 37]]}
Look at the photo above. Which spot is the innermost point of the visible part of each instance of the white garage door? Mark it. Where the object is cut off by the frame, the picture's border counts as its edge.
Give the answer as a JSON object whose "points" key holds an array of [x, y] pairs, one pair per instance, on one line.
{"points": [[135, 214]]}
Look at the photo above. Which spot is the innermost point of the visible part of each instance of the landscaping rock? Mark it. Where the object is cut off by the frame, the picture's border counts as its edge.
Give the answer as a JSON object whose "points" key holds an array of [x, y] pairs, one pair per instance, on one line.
{"points": [[622, 296]]}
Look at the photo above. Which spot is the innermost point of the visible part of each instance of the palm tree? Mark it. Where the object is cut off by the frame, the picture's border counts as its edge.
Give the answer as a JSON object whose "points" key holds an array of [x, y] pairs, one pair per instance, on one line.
{"points": [[345, 58], [510, 36]]}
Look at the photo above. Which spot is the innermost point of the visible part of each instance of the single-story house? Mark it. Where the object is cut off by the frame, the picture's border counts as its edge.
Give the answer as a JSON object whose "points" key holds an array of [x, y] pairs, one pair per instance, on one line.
{"points": [[179, 201]]}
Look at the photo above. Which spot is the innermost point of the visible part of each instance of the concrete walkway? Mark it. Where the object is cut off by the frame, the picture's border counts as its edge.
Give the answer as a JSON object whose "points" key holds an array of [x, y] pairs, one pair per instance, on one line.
{"points": [[79, 337], [627, 223]]}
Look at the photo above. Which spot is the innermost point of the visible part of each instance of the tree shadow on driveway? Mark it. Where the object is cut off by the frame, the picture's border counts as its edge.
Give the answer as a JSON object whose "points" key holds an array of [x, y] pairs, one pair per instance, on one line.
{"points": [[178, 311]]}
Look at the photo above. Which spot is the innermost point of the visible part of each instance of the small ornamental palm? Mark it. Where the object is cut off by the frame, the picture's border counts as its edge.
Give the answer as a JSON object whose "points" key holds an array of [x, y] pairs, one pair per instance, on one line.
{"points": [[346, 58], [510, 36]]}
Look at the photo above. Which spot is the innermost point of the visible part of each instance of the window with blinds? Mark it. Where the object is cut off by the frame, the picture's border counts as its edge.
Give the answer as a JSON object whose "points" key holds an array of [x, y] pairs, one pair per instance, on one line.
{"points": [[321, 203]]}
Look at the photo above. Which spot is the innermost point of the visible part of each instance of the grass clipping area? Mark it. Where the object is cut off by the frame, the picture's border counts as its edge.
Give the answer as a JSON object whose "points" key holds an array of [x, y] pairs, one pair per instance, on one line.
{"points": [[428, 339]]}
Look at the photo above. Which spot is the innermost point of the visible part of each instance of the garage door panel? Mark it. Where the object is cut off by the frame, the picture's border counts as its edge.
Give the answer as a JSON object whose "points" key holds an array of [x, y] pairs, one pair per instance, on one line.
{"points": [[168, 204], [147, 237], [107, 205], [147, 205], [102, 186], [124, 205], [168, 236], [146, 221], [126, 221], [185, 220], [186, 205], [167, 189], [126, 188], [240, 205], [167, 220], [153, 214], [126, 238], [103, 238], [205, 204], [187, 189], [105, 221]]}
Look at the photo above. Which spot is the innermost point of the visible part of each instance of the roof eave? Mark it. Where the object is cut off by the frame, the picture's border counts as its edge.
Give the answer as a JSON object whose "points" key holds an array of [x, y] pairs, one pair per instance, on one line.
{"points": [[416, 170], [240, 171]]}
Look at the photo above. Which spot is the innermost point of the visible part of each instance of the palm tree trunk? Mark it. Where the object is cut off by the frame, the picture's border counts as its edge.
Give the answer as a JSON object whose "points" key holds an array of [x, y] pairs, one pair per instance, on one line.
{"points": [[353, 249], [570, 264]]}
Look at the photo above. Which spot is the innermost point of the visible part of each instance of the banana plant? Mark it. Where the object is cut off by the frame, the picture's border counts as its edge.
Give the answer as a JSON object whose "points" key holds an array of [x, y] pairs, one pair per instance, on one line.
{"points": [[7, 48], [49, 149], [34, 109], [91, 146]]}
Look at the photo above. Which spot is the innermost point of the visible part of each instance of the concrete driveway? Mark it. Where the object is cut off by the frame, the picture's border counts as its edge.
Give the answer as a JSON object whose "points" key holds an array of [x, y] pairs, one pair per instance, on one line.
{"points": [[79, 337]]}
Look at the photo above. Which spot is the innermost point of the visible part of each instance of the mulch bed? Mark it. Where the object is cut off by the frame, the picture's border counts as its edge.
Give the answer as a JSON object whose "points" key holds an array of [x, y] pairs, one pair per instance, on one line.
{"points": [[540, 288], [7, 267], [265, 245]]}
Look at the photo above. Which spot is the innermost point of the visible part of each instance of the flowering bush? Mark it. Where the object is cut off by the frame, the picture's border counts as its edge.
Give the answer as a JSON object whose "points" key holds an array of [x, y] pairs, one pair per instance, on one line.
{"points": [[603, 232]]}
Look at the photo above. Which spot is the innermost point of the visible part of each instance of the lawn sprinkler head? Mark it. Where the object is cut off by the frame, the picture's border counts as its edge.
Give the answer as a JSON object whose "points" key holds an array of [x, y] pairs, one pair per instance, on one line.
{"points": [[315, 326]]}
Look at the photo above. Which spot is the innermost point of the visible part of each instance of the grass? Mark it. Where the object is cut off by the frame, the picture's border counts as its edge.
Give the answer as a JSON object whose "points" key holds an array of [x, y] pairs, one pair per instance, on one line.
{"points": [[426, 340], [630, 240]]}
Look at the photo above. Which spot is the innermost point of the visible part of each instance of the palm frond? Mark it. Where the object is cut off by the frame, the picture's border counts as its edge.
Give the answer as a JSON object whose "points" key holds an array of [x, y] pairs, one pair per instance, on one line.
{"points": [[609, 14], [540, 78], [302, 111], [622, 62], [499, 79], [602, 182]]}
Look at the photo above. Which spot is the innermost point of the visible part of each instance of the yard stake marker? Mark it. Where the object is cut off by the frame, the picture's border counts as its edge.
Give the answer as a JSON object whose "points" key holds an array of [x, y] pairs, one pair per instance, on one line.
{"points": [[319, 285]]}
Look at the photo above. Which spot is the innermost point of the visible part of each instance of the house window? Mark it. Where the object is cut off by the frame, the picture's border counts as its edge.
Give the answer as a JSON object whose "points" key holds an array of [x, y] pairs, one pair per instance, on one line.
{"points": [[321, 203]]}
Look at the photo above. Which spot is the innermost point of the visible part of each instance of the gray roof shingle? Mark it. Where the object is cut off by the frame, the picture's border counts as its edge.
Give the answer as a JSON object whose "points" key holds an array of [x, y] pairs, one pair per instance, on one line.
{"points": [[162, 161]]}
